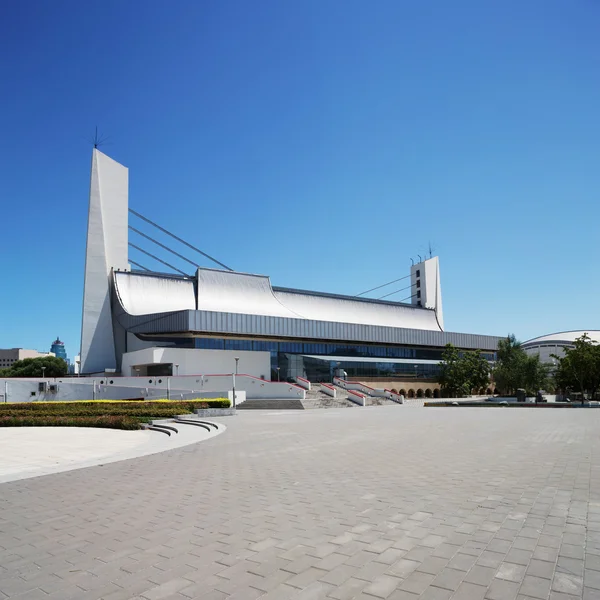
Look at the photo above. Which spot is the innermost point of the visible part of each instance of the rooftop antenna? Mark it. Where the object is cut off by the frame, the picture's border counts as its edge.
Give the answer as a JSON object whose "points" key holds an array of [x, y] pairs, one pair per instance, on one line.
{"points": [[412, 262], [420, 259], [98, 139], [430, 251]]}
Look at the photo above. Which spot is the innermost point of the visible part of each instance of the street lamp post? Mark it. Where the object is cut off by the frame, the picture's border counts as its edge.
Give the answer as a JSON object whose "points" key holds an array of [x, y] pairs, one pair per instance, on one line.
{"points": [[176, 370], [43, 371], [278, 368], [237, 358]]}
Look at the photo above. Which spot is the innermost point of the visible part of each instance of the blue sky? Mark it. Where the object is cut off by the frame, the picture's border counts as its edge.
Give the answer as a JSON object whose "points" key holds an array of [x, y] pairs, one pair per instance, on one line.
{"points": [[324, 143]]}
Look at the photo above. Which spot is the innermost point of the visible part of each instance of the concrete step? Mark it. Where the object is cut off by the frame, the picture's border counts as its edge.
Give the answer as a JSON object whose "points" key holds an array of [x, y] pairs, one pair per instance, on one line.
{"points": [[377, 401], [271, 404], [327, 402]]}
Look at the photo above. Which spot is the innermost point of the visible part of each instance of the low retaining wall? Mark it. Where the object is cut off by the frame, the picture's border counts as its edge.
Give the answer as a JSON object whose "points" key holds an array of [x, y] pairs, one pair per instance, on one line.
{"points": [[395, 397], [329, 390], [303, 383], [150, 388], [215, 412], [361, 387], [356, 397]]}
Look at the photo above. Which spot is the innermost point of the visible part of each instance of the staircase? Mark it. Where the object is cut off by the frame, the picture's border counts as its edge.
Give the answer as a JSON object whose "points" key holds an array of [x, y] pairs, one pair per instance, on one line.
{"points": [[378, 401], [369, 400], [317, 399], [270, 404]]}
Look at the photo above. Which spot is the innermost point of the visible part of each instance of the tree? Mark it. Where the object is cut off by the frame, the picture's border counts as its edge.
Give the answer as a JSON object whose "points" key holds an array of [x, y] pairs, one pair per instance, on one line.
{"points": [[461, 372], [515, 369], [579, 368], [32, 367]]}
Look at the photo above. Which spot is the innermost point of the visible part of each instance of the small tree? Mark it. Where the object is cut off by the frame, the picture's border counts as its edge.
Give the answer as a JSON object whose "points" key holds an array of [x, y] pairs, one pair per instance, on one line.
{"points": [[515, 369], [460, 372], [32, 367], [579, 368]]}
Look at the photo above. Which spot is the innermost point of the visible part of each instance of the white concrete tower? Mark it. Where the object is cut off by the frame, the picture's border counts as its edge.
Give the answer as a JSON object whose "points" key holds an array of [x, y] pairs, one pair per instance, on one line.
{"points": [[106, 249], [426, 288]]}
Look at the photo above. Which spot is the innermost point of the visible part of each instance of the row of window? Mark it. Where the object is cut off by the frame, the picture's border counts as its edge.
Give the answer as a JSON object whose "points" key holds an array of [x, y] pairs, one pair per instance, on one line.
{"points": [[319, 348], [315, 348]]}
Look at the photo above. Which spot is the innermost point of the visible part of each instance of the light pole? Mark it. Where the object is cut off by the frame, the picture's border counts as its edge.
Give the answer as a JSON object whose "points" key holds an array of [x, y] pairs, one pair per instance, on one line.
{"points": [[43, 371], [78, 363], [176, 370], [278, 368], [233, 381]]}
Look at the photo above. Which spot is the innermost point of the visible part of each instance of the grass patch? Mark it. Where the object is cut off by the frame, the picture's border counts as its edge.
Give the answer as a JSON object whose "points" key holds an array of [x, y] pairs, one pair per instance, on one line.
{"points": [[112, 414]]}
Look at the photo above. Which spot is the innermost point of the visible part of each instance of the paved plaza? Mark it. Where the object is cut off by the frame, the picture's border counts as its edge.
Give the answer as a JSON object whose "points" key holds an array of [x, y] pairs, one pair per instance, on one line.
{"points": [[385, 502]]}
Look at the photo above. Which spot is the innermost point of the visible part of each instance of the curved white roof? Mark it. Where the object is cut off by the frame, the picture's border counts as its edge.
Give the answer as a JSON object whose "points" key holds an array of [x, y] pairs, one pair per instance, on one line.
{"points": [[340, 309], [563, 337], [148, 294], [242, 293]]}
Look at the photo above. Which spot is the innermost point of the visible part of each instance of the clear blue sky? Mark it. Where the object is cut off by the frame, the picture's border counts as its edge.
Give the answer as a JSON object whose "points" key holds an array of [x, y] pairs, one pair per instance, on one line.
{"points": [[321, 142]]}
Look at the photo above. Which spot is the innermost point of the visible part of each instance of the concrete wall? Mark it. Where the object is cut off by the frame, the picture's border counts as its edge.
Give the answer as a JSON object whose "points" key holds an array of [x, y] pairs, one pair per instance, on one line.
{"points": [[106, 249], [428, 294], [200, 362], [123, 388]]}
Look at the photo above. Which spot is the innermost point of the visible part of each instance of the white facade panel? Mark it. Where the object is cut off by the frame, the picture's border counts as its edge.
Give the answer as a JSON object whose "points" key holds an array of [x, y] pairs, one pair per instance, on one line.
{"points": [[200, 362]]}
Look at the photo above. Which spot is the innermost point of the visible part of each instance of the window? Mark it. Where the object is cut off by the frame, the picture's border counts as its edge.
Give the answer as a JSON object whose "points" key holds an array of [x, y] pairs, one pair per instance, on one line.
{"points": [[419, 294], [418, 283], [418, 272]]}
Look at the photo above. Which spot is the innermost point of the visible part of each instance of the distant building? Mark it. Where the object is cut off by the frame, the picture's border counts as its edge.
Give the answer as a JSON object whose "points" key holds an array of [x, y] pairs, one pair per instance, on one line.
{"points": [[11, 355], [74, 366], [553, 344], [58, 349]]}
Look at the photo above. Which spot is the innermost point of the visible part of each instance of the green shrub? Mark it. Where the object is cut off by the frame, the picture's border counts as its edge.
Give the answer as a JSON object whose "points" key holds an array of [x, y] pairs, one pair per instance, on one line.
{"points": [[107, 422], [138, 411]]}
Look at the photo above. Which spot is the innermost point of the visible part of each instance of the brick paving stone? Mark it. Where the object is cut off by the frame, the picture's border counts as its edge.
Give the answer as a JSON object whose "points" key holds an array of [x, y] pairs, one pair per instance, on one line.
{"points": [[382, 586], [462, 562], [541, 568], [560, 596], [480, 575], [490, 559], [501, 589], [567, 583], [449, 579], [545, 553], [403, 568], [469, 591], [536, 587], [571, 566], [288, 505], [349, 589], [417, 582]]}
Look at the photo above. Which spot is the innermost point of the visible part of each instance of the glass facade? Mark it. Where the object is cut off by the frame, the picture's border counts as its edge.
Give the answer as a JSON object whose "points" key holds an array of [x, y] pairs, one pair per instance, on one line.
{"points": [[293, 359]]}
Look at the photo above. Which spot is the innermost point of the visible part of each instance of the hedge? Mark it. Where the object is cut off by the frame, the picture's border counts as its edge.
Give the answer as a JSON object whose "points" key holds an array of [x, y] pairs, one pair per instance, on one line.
{"points": [[116, 415], [137, 409], [106, 422]]}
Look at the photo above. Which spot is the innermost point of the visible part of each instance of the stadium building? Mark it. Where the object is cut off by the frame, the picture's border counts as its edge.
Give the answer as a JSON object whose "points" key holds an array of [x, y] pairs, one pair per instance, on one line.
{"points": [[553, 344], [137, 321]]}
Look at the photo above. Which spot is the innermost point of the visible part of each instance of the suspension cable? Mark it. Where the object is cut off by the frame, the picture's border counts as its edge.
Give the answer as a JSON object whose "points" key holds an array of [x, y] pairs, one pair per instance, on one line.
{"points": [[158, 259], [137, 214]]}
